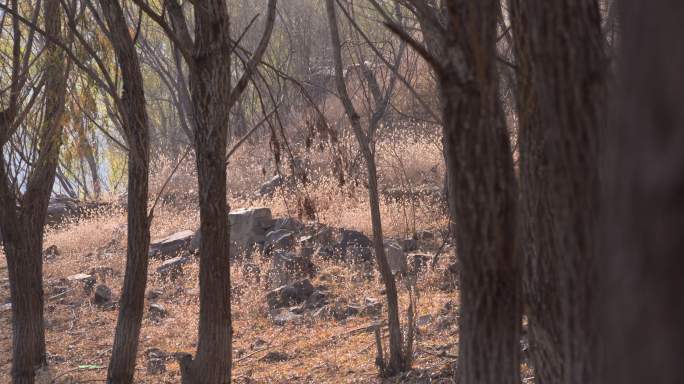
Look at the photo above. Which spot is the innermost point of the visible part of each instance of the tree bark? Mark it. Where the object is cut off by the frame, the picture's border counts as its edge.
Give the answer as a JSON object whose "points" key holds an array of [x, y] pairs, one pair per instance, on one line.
{"points": [[210, 87], [559, 52], [641, 266], [483, 195], [136, 131], [23, 219]]}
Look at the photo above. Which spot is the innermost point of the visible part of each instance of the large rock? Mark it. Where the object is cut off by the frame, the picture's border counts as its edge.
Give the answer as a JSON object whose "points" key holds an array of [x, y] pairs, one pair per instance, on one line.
{"points": [[103, 295], [286, 266], [270, 186], [290, 294], [355, 246], [173, 267], [171, 245], [396, 258], [279, 239], [249, 225], [288, 223]]}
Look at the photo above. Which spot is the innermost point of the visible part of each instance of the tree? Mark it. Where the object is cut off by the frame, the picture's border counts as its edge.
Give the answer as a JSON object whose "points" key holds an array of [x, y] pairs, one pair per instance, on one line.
{"points": [[641, 264], [207, 54], [24, 202], [399, 360], [561, 87], [135, 126], [482, 191]]}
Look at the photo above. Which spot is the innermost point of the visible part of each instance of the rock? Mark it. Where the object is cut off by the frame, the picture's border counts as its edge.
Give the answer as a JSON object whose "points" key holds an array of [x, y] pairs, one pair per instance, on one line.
{"points": [[355, 246], [425, 235], [395, 256], [288, 295], [156, 361], [317, 300], [60, 207], [102, 272], [154, 293], [173, 267], [171, 245], [103, 295], [275, 356], [288, 223], [283, 316], [279, 239], [5, 307], [248, 226], [88, 281], [286, 266], [424, 320], [157, 311], [50, 253], [258, 344], [409, 244], [372, 306], [306, 253], [341, 310], [270, 186]]}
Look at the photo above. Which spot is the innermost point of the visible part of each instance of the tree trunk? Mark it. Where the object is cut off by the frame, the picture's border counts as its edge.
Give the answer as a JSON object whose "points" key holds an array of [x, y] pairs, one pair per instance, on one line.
{"points": [[642, 269], [23, 220], [560, 106], [23, 248], [397, 361], [483, 192], [136, 130], [210, 87]]}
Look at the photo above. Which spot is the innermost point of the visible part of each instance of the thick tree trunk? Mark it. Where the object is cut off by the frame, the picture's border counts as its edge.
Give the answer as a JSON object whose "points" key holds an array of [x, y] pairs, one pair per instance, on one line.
{"points": [[560, 106], [136, 129], [642, 269], [210, 80], [23, 247], [23, 220], [483, 192]]}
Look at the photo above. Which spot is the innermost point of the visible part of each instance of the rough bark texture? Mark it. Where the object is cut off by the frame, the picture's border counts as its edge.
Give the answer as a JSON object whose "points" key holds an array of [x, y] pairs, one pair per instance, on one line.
{"points": [[483, 195], [210, 91], [643, 265], [397, 361], [23, 218], [561, 64], [136, 130]]}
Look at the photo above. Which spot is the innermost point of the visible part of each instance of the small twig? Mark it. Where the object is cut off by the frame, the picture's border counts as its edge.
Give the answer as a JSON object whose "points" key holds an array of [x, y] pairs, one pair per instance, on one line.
{"points": [[59, 294], [252, 354]]}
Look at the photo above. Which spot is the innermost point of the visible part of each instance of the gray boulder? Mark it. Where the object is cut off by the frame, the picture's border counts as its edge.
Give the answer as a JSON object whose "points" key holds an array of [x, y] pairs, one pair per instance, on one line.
{"points": [[173, 267], [290, 294], [171, 245], [396, 256], [279, 239], [355, 246], [248, 226], [270, 186], [286, 266], [103, 295]]}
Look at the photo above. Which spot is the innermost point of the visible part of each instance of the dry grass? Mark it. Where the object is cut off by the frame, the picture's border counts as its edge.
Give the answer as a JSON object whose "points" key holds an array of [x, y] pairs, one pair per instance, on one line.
{"points": [[320, 350]]}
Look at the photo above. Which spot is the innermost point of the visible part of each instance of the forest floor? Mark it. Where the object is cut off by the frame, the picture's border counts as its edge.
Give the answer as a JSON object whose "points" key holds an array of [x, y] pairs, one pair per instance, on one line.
{"points": [[317, 348]]}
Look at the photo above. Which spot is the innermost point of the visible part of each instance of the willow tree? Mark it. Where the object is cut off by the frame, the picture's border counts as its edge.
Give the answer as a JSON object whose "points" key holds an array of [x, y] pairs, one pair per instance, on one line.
{"points": [[25, 187]]}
